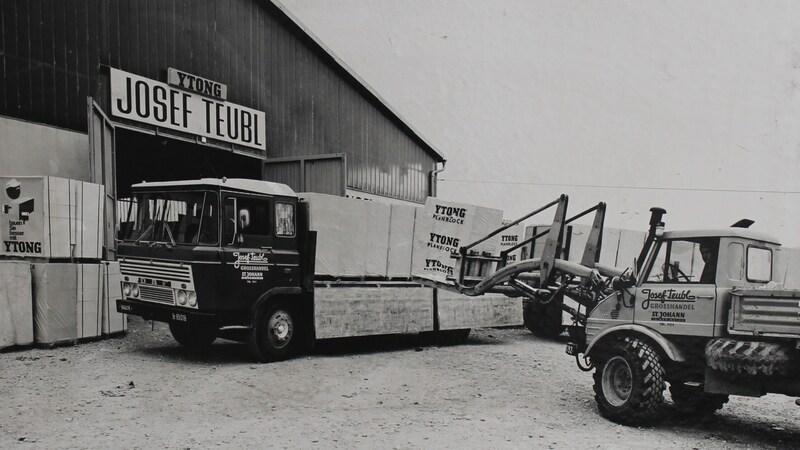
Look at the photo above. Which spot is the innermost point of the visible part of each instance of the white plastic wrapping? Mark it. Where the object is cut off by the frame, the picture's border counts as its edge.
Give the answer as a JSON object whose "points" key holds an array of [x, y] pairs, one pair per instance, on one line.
{"points": [[442, 227], [88, 295], [16, 304], [401, 241], [55, 302], [352, 235], [112, 321]]}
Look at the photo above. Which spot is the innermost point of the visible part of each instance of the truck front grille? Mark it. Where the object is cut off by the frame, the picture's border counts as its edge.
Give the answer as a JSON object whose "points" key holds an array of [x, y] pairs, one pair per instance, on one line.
{"points": [[154, 294]]}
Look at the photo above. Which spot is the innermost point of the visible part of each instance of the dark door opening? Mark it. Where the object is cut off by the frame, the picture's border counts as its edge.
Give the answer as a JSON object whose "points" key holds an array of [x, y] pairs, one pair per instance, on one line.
{"points": [[143, 157]]}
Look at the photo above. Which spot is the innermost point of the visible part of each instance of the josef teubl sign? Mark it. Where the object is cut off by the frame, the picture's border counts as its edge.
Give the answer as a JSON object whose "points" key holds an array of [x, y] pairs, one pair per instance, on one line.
{"points": [[195, 106]]}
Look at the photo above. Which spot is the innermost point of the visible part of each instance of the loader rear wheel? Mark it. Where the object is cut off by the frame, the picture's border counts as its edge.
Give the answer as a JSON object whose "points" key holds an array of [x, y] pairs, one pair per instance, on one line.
{"points": [[748, 357], [543, 320], [194, 336], [274, 336], [693, 402], [629, 383]]}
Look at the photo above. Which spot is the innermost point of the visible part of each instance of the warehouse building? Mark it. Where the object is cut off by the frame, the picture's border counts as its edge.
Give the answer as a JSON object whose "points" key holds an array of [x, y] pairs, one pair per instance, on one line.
{"points": [[122, 91]]}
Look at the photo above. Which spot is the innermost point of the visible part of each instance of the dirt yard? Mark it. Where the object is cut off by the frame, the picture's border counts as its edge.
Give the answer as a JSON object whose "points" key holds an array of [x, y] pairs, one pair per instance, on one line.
{"points": [[502, 389]]}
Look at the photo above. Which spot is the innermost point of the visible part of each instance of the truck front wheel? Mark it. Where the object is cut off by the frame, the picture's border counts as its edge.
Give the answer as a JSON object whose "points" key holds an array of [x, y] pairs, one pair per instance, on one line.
{"points": [[195, 336], [629, 383], [273, 336]]}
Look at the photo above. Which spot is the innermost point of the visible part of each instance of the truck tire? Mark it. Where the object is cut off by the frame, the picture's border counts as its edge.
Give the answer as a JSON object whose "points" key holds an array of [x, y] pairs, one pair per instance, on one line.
{"points": [[629, 383], [693, 402], [453, 337], [748, 357], [274, 335], [195, 336], [543, 320]]}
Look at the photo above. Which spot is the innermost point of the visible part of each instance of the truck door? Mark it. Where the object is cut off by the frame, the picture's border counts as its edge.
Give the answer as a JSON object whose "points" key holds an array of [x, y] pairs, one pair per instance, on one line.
{"points": [[247, 245], [672, 299]]}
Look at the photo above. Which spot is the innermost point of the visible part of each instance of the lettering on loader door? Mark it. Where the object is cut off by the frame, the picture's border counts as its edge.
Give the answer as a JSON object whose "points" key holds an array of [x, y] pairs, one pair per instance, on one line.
{"points": [[668, 305]]}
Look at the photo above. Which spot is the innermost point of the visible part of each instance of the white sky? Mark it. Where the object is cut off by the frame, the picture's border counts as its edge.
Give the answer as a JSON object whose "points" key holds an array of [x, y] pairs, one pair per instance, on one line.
{"points": [[691, 106]]}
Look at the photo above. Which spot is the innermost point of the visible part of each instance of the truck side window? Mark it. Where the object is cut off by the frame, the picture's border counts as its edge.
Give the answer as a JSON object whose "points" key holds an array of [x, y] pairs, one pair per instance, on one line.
{"points": [[229, 221], [253, 221], [284, 219], [759, 264]]}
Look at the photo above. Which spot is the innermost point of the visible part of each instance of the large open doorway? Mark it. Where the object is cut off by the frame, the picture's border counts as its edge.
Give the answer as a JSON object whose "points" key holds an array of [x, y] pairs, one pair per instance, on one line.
{"points": [[144, 157]]}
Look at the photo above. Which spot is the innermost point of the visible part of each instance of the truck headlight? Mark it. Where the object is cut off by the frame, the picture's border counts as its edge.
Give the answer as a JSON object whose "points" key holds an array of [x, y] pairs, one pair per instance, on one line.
{"points": [[135, 290], [192, 298], [181, 297], [126, 289]]}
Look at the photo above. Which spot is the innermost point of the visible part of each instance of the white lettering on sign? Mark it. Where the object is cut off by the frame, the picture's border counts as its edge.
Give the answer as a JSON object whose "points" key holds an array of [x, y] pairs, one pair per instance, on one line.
{"points": [[197, 84], [155, 103]]}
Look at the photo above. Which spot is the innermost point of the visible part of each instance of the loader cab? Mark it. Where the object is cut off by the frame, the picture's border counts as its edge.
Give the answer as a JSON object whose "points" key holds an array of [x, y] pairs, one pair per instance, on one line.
{"points": [[684, 287]]}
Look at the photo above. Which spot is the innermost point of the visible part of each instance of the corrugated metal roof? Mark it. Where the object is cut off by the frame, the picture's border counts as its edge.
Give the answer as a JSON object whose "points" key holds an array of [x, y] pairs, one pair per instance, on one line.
{"points": [[368, 90]]}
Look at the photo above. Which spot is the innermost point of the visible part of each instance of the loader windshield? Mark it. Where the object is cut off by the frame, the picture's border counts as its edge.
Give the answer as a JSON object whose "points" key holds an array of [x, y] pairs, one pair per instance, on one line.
{"points": [[171, 218]]}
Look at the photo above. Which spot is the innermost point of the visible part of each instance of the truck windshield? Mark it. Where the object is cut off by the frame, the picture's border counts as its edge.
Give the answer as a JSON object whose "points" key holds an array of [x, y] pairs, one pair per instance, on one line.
{"points": [[172, 218]]}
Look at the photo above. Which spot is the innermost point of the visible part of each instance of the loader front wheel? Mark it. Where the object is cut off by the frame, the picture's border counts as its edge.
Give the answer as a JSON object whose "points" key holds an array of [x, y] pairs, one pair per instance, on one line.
{"points": [[629, 383]]}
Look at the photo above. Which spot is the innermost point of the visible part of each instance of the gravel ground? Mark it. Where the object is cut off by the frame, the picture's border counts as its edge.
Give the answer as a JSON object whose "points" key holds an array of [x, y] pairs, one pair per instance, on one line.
{"points": [[502, 389]]}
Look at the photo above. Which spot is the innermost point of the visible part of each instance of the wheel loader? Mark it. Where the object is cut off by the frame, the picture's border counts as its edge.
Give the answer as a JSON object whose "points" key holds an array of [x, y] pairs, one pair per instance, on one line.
{"points": [[699, 314]]}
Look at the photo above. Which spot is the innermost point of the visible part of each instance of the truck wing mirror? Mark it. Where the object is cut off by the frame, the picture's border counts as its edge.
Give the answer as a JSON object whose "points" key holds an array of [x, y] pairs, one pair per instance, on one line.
{"points": [[244, 218]]}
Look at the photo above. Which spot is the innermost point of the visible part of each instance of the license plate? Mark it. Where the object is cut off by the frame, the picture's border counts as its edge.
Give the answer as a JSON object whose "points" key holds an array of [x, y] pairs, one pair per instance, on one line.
{"points": [[572, 348], [178, 317]]}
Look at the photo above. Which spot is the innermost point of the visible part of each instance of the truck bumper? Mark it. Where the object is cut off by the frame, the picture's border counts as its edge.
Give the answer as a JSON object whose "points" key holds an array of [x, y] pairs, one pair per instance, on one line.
{"points": [[163, 313]]}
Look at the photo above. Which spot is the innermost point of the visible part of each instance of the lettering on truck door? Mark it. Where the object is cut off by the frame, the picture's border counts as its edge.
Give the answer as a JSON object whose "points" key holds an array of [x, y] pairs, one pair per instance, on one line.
{"points": [[672, 299]]}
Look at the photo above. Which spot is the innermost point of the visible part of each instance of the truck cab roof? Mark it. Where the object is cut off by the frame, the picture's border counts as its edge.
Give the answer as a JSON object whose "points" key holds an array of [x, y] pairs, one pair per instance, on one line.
{"points": [[238, 184], [743, 233]]}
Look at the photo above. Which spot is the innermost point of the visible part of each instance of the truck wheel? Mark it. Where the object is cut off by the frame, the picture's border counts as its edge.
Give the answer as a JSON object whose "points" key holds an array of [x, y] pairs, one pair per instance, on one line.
{"points": [[629, 383], [543, 320], [274, 335], [692, 401], [453, 337], [748, 357], [194, 336]]}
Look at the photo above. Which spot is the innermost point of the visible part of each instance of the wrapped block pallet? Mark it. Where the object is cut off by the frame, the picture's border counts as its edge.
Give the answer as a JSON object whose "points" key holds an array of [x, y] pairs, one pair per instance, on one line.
{"points": [[16, 304], [112, 321], [67, 302], [50, 218], [442, 227], [352, 235]]}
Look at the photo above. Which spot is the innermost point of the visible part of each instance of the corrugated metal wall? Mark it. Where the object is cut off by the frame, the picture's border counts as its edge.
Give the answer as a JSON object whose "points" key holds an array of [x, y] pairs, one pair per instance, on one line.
{"points": [[53, 53]]}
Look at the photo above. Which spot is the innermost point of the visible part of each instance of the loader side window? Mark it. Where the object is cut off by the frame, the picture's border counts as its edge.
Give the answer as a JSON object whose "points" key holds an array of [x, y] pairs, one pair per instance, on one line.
{"points": [[759, 264], [677, 261], [735, 261]]}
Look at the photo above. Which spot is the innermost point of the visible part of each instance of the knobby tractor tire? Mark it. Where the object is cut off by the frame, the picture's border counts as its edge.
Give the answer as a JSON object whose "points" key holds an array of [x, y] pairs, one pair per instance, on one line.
{"points": [[195, 336], [543, 320], [692, 402], [274, 335], [629, 383], [748, 357]]}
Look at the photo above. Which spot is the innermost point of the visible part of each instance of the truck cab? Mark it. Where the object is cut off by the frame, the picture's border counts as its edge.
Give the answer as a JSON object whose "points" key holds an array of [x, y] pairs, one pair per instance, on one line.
{"points": [[212, 257]]}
